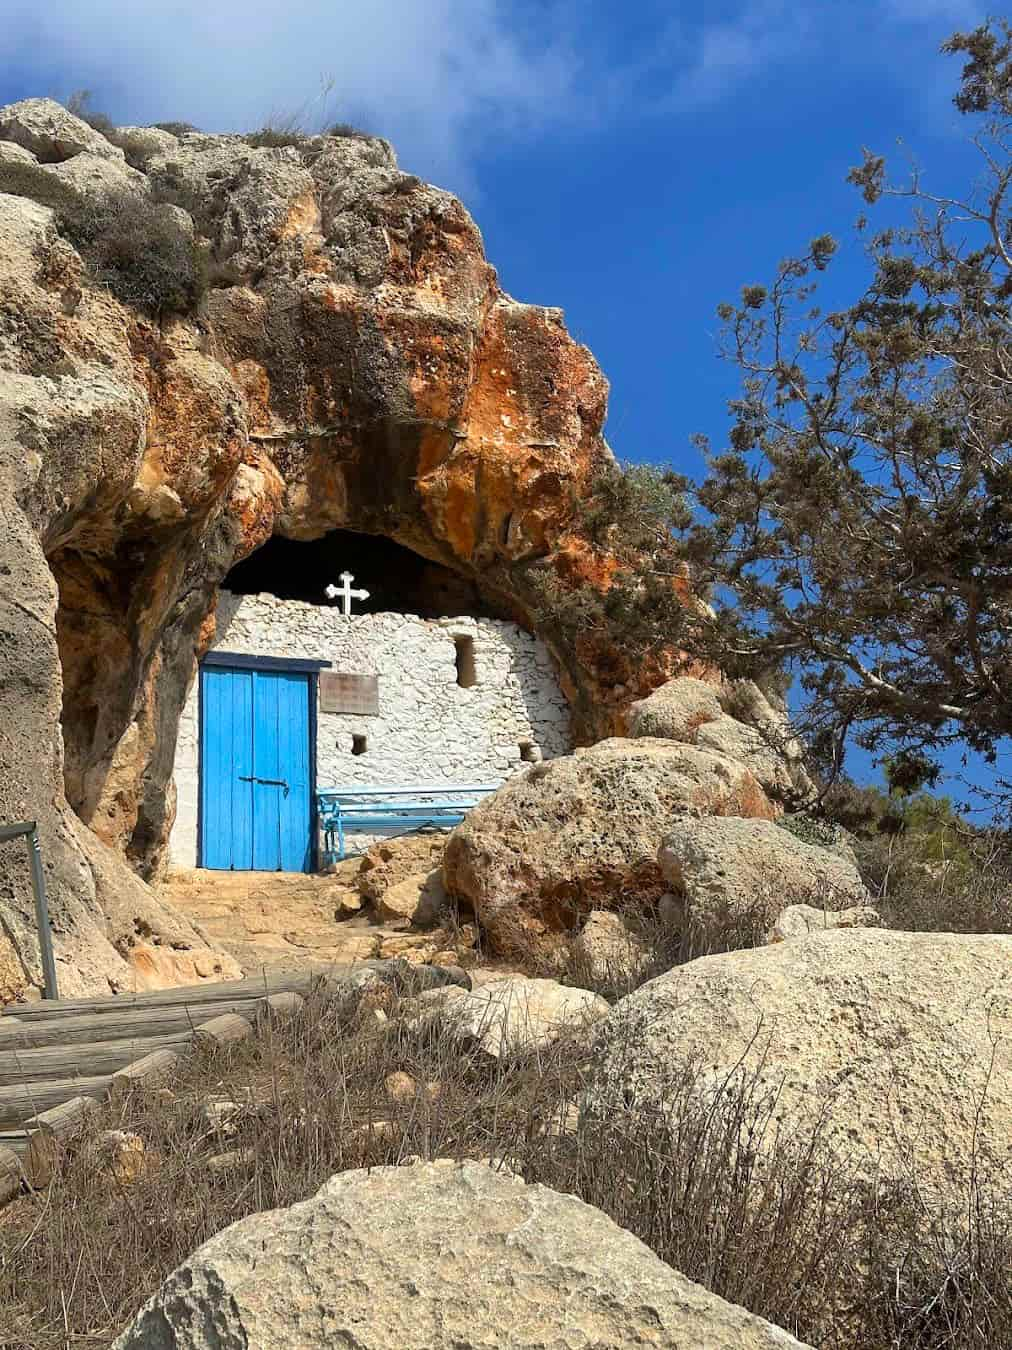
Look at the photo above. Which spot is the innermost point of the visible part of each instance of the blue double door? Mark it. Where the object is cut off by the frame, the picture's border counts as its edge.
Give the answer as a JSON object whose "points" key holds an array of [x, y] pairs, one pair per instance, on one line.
{"points": [[255, 770]]}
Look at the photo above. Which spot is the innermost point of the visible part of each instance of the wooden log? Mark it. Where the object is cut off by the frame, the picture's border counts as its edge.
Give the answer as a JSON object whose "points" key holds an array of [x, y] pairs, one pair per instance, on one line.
{"points": [[135, 1025], [143, 1075], [193, 995], [14, 1140], [233, 1157], [90, 1060], [51, 1132], [20, 1103], [11, 1175], [277, 1008], [222, 1033]]}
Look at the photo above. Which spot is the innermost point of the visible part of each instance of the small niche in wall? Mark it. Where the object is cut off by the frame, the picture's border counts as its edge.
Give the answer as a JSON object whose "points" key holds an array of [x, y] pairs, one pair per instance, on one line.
{"points": [[467, 675], [529, 752], [359, 744]]}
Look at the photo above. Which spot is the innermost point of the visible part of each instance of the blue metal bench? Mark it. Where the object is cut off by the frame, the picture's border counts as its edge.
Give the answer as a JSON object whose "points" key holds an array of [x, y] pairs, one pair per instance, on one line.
{"points": [[393, 810]]}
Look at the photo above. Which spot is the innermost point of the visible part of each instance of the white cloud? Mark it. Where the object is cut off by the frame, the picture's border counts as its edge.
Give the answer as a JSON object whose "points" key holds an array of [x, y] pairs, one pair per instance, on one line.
{"points": [[444, 79], [431, 74]]}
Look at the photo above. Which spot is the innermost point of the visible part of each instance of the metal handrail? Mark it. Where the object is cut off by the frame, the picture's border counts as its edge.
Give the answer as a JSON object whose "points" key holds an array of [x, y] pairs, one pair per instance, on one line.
{"points": [[28, 830]]}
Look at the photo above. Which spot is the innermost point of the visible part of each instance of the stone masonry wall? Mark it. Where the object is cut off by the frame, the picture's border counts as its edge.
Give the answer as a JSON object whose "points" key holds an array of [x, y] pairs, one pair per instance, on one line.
{"points": [[429, 728]]}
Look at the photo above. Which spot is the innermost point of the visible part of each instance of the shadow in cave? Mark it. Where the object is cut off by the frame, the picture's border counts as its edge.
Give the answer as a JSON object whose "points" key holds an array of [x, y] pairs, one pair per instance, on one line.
{"points": [[398, 580]]}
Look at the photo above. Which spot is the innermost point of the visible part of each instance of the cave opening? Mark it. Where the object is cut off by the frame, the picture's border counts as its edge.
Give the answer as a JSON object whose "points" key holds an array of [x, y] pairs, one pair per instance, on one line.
{"points": [[398, 580]]}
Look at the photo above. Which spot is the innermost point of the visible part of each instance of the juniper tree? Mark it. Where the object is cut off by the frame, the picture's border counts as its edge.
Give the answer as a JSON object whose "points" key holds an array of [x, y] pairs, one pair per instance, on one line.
{"points": [[862, 513]]}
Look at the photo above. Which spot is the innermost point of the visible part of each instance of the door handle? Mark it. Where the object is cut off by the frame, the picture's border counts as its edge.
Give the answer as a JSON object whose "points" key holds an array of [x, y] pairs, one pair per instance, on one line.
{"points": [[267, 782]]}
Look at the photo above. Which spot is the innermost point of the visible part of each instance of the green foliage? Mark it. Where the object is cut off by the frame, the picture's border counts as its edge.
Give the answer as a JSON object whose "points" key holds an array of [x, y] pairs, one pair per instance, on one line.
{"points": [[346, 129], [633, 508], [629, 515], [138, 248], [276, 137], [813, 830], [931, 827], [292, 131]]}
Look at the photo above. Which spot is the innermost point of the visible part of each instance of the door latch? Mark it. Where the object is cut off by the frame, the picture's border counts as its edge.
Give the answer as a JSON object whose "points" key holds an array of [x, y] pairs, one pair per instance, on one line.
{"points": [[266, 782]]}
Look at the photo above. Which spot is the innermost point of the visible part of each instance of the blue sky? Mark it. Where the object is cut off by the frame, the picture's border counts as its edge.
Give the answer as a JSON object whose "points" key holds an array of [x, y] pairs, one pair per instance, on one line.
{"points": [[633, 164]]}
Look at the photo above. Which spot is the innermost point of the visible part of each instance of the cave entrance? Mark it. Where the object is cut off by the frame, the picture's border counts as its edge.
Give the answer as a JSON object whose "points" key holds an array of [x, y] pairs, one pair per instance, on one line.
{"points": [[421, 683], [399, 581]]}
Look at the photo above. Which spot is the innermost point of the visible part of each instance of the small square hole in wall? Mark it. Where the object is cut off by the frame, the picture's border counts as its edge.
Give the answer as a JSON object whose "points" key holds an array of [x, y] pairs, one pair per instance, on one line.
{"points": [[359, 744], [467, 675], [529, 752]]}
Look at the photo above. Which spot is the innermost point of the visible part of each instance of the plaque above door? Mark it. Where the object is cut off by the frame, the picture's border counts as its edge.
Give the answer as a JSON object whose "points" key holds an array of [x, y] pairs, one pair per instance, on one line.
{"points": [[342, 693]]}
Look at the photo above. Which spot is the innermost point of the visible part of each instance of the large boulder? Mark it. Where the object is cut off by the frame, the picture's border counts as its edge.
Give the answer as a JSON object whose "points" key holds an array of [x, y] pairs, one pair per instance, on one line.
{"points": [[676, 710], [52, 133], [581, 832], [800, 920], [436, 1256], [511, 1015], [734, 719], [900, 1043], [739, 874]]}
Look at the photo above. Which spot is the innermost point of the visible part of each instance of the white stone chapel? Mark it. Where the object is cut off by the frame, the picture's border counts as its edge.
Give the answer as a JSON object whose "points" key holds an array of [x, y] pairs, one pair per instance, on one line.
{"points": [[295, 697]]}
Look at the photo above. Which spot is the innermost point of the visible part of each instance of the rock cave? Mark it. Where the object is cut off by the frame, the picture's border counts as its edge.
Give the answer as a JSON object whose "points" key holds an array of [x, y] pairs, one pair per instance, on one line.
{"points": [[359, 369], [452, 695]]}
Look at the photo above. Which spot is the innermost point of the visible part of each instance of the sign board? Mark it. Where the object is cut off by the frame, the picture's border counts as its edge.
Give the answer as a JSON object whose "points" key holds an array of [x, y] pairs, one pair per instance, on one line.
{"points": [[341, 693]]}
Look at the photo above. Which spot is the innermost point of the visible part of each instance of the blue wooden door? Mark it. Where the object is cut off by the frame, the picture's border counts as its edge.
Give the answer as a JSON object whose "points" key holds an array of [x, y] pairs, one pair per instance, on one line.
{"points": [[255, 770]]}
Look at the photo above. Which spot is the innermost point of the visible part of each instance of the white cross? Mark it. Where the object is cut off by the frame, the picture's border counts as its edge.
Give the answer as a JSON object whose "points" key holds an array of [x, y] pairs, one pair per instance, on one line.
{"points": [[345, 593]]}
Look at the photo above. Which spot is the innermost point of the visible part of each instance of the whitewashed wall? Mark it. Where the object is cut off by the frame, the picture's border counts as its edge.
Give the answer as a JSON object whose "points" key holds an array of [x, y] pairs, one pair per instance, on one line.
{"points": [[429, 729]]}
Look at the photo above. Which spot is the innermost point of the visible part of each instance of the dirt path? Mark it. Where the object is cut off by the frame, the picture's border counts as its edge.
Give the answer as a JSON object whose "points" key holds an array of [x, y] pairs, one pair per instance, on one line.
{"points": [[281, 920]]}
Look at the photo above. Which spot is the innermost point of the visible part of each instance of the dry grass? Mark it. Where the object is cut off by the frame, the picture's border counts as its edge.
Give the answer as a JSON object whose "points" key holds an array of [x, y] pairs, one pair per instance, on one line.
{"points": [[968, 893], [718, 1187], [138, 248]]}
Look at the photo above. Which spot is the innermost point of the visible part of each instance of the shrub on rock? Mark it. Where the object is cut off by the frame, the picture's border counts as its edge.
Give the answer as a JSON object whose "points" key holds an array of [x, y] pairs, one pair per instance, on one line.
{"points": [[141, 249]]}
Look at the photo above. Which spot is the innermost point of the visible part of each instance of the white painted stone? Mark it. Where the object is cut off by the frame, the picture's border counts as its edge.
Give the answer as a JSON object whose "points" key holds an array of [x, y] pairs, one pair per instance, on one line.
{"points": [[429, 729]]}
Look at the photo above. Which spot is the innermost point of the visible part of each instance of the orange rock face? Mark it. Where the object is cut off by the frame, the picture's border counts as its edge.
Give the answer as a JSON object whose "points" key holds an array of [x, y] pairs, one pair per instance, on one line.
{"points": [[353, 365]]}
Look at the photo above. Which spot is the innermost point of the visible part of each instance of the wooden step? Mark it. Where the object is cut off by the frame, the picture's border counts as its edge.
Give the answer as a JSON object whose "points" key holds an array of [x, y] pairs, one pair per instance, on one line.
{"points": [[194, 995], [20, 1103], [90, 1059]]}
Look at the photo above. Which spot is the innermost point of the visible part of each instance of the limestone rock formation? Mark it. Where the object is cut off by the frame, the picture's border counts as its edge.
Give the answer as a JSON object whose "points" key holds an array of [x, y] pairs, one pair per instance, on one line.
{"points": [[51, 134], [734, 719], [436, 1255], [418, 899], [392, 861], [904, 1040], [582, 832], [742, 873], [610, 950], [800, 920], [676, 710], [512, 1015], [353, 365]]}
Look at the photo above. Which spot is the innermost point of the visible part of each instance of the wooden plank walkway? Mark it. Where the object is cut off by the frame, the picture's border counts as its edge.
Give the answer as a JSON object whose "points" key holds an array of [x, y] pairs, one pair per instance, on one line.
{"points": [[57, 1059], [51, 1051]]}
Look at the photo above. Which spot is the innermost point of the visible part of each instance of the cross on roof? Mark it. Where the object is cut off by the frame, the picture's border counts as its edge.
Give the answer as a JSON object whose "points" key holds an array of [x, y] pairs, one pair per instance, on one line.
{"points": [[345, 594]]}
